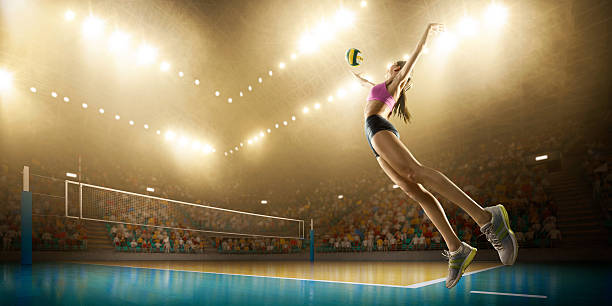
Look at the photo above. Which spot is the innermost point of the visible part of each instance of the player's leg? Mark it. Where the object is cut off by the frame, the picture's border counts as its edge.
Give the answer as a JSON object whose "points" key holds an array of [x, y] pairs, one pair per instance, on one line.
{"points": [[461, 254], [493, 221], [394, 152], [428, 202]]}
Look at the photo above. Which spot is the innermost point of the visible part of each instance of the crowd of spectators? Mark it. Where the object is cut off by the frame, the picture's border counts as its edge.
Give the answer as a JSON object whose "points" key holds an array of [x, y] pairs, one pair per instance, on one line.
{"points": [[135, 238], [370, 215], [389, 220], [258, 245], [597, 163]]}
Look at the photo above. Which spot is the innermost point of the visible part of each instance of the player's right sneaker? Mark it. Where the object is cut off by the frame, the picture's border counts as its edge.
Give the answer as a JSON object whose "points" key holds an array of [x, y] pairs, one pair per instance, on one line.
{"points": [[500, 235], [458, 261]]}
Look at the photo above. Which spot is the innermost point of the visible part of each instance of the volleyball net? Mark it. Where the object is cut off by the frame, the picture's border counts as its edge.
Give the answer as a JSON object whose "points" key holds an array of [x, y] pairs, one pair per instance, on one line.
{"points": [[96, 203]]}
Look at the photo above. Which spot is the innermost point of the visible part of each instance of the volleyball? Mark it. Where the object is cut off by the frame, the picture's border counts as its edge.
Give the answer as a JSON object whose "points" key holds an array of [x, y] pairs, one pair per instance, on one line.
{"points": [[353, 57]]}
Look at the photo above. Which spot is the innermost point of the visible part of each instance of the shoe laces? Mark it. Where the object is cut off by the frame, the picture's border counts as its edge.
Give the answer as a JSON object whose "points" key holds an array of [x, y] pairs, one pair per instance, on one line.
{"points": [[493, 238]]}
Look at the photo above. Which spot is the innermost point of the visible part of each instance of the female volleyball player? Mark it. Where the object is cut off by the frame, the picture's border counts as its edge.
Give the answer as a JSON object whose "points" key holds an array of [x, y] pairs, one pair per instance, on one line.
{"points": [[404, 170]]}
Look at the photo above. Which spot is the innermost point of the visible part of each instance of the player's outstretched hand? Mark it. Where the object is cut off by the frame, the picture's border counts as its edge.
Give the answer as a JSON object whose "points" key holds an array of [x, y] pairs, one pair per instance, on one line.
{"points": [[436, 28]]}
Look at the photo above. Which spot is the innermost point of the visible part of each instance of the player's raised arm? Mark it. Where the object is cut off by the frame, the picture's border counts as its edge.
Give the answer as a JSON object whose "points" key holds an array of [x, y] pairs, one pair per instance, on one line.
{"points": [[404, 74]]}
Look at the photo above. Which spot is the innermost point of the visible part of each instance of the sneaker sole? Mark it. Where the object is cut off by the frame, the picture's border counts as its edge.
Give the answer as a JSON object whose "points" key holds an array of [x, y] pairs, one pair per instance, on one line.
{"points": [[511, 233], [464, 265]]}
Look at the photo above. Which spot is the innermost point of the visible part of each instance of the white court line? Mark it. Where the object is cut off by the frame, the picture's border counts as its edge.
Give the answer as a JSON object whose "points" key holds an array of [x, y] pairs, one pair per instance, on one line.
{"points": [[413, 286], [511, 294], [439, 280]]}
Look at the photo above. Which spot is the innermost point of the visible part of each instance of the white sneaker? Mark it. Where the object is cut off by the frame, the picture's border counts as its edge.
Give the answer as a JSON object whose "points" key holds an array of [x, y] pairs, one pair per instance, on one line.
{"points": [[458, 262], [500, 235]]}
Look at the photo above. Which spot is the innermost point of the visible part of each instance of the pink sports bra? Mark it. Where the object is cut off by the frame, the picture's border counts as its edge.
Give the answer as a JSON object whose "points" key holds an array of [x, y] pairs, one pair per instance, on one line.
{"points": [[380, 93]]}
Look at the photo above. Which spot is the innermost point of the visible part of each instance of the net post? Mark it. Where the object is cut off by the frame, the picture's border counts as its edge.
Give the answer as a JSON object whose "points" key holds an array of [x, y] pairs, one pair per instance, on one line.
{"points": [[312, 241], [66, 196], [80, 200], [26, 219]]}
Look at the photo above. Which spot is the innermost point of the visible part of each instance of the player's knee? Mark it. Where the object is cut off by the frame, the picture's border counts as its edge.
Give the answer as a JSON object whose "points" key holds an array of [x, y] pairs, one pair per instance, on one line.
{"points": [[413, 173], [407, 173]]}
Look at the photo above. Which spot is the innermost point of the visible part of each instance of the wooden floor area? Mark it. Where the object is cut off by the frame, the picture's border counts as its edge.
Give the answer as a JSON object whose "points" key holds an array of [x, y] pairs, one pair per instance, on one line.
{"points": [[374, 273]]}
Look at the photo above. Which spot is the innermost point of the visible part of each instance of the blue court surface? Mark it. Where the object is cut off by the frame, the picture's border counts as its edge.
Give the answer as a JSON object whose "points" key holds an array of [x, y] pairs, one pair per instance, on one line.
{"points": [[84, 284]]}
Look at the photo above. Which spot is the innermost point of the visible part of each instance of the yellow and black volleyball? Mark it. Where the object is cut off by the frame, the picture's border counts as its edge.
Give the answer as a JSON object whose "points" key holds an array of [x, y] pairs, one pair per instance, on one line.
{"points": [[353, 57]]}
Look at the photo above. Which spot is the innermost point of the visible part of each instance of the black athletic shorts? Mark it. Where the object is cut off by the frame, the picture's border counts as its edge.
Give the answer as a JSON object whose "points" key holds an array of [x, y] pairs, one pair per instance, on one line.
{"points": [[373, 125]]}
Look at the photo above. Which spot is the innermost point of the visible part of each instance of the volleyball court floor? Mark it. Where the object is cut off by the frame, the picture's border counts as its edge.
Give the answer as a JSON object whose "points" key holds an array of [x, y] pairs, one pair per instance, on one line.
{"points": [[301, 283]]}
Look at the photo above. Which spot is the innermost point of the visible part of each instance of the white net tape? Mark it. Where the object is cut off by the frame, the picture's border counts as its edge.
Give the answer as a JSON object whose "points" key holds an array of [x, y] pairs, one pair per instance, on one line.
{"points": [[104, 204]]}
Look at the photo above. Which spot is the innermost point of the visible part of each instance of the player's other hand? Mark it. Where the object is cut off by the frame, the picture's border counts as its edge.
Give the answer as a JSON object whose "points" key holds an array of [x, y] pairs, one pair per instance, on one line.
{"points": [[436, 28]]}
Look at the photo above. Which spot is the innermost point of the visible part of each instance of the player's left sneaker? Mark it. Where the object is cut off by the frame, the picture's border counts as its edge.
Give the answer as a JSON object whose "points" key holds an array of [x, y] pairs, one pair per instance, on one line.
{"points": [[500, 235], [458, 261]]}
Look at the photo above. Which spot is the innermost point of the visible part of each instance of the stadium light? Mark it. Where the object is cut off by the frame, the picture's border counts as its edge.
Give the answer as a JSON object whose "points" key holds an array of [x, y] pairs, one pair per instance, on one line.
{"points": [[54, 94], [496, 15], [259, 79], [146, 126], [344, 18], [241, 94], [305, 110], [6, 80], [170, 136], [196, 145], [93, 27], [293, 56], [250, 88], [256, 138], [69, 15], [197, 82], [236, 148], [146, 54], [541, 157], [364, 3], [118, 41], [340, 196], [264, 202], [425, 50], [84, 105], [285, 123], [158, 132], [447, 41], [307, 43], [183, 141], [292, 118], [269, 131], [467, 26], [406, 57], [281, 65], [323, 32], [330, 99], [261, 134], [131, 122], [250, 141], [229, 100], [165, 66], [217, 93], [241, 144], [181, 74], [276, 125], [66, 99], [33, 89], [70, 174], [317, 106], [395, 186], [225, 153], [150, 189], [270, 72], [117, 117], [341, 93], [101, 111]]}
